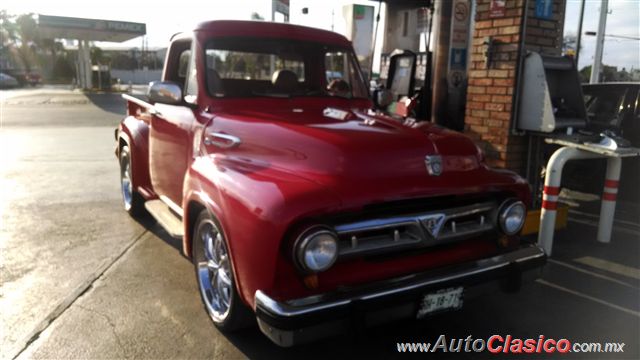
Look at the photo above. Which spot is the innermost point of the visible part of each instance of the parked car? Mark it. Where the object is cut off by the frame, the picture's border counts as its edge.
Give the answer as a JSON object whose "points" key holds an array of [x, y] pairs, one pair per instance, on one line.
{"points": [[306, 209], [7, 81], [614, 106], [610, 107], [33, 78]]}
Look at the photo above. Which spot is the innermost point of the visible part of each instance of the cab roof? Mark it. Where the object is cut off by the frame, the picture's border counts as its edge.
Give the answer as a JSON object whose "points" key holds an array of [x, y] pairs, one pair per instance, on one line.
{"points": [[220, 28]]}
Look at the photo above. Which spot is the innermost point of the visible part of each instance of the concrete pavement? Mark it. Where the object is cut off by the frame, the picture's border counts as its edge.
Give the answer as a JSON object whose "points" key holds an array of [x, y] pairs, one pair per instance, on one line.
{"points": [[61, 220], [80, 279]]}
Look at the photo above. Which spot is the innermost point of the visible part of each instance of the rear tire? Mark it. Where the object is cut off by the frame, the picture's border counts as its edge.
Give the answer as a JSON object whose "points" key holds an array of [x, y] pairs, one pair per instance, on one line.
{"points": [[214, 275], [133, 202]]}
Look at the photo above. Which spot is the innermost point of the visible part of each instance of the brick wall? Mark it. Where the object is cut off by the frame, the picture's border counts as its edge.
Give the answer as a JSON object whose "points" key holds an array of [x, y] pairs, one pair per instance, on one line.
{"points": [[545, 35], [491, 88]]}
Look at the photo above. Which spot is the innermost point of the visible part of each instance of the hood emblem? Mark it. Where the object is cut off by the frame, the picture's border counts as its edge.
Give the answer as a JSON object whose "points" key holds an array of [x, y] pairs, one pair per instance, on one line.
{"points": [[433, 223], [433, 164], [338, 114]]}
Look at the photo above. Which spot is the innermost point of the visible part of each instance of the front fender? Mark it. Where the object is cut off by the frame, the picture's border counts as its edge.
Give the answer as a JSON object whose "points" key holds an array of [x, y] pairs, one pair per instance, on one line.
{"points": [[255, 207]]}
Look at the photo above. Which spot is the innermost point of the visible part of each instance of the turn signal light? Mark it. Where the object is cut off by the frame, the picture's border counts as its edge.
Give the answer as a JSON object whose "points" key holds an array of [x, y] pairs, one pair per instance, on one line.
{"points": [[311, 281]]}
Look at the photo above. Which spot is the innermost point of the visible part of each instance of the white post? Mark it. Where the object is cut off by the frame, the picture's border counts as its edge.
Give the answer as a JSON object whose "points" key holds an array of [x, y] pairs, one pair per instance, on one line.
{"points": [[550, 197], [608, 206], [80, 68], [597, 59], [552, 190], [273, 11], [87, 63]]}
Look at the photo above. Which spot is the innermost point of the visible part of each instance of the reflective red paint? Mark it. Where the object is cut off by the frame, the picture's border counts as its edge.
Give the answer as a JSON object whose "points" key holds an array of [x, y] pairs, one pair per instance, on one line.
{"points": [[294, 165]]}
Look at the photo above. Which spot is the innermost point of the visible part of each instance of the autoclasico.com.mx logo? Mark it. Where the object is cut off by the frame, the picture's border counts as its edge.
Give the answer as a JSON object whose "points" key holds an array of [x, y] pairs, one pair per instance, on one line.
{"points": [[509, 345]]}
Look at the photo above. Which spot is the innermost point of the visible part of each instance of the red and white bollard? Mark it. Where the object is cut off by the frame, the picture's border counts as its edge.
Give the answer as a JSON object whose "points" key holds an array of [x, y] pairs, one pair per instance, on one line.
{"points": [[609, 194], [552, 190]]}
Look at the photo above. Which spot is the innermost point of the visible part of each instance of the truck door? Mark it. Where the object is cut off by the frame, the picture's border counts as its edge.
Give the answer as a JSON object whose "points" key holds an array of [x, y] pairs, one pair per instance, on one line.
{"points": [[170, 136]]}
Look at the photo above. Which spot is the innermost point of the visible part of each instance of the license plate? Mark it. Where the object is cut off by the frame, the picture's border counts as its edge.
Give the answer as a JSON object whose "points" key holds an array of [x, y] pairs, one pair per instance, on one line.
{"points": [[444, 299]]}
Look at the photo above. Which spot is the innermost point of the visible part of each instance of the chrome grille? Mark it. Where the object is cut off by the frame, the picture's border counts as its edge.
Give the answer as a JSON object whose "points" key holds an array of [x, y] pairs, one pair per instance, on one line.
{"points": [[416, 230]]}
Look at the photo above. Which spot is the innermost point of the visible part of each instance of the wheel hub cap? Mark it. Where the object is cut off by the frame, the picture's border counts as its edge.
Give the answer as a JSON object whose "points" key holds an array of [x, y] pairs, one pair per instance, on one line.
{"points": [[214, 272]]}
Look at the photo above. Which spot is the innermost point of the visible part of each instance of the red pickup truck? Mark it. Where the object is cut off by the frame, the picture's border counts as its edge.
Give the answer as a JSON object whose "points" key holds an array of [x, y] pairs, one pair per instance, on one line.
{"points": [[300, 204]]}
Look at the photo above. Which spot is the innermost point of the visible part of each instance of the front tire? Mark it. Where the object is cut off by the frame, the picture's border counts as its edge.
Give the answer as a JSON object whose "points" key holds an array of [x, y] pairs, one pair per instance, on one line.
{"points": [[214, 275], [133, 202]]}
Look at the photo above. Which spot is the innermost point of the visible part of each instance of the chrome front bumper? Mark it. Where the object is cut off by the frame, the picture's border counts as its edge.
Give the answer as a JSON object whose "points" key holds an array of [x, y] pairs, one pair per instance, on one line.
{"points": [[306, 319]]}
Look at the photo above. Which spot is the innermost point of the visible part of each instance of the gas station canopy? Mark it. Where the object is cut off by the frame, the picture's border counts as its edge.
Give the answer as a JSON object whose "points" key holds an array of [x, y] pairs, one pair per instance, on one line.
{"points": [[61, 27], [86, 30]]}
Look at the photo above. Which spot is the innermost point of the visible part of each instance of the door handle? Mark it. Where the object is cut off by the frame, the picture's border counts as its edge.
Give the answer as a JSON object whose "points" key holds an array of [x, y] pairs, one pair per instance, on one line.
{"points": [[221, 140], [153, 111]]}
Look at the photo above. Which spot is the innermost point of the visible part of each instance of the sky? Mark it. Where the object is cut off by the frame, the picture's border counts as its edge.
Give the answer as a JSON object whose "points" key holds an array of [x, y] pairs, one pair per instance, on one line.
{"points": [[623, 19], [163, 19]]}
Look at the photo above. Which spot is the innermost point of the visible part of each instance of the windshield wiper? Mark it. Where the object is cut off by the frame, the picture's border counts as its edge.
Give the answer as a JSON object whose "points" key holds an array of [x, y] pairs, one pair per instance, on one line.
{"points": [[272, 95], [323, 93]]}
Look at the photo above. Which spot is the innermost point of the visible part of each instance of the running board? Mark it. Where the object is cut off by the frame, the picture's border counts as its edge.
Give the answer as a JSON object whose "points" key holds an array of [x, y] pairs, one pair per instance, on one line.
{"points": [[168, 219]]}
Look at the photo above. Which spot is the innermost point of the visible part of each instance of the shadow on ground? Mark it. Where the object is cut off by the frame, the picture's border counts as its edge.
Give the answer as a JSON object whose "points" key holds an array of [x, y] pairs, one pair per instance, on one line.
{"points": [[110, 102]]}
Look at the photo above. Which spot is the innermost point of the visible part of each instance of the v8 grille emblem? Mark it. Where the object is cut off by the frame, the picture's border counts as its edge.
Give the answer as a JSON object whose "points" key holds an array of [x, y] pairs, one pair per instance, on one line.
{"points": [[433, 223]]}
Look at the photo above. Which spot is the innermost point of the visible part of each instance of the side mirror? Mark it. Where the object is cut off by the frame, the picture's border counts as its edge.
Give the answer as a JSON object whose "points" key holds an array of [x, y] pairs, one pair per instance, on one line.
{"points": [[382, 98], [164, 92]]}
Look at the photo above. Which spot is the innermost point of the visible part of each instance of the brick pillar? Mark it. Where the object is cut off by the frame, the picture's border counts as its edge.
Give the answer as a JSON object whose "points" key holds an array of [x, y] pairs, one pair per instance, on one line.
{"points": [[490, 94], [545, 35]]}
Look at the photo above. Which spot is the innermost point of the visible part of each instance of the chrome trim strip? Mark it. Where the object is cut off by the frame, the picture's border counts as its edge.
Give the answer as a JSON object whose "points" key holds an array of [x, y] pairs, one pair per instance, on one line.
{"points": [[377, 224], [173, 206], [473, 211], [282, 309], [137, 101], [285, 310]]}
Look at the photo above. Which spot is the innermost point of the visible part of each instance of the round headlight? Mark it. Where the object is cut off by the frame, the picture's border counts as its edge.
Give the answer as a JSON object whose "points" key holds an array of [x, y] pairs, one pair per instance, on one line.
{"points": [[317, 249], [511, 216]]}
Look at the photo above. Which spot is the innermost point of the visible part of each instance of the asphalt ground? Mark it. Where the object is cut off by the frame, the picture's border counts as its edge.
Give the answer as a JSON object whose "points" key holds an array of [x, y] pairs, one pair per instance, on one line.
{"points": [[80, 279]]}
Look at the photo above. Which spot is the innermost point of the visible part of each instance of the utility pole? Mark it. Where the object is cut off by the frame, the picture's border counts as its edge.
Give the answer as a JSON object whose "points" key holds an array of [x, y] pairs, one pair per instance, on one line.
{"points": [[597, 59], [332, 18], [579, 40]]}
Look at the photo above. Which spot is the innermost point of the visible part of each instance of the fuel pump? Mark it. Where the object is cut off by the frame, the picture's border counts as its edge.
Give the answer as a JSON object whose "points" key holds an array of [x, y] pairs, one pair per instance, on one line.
{"points": [[407, 75]]}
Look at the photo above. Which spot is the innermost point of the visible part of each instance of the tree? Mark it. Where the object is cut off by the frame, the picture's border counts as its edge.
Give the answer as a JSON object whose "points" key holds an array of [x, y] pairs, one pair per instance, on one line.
{"points": [[8, 28], [27, 28], [609, 74], [20, 37], [23, 48]]}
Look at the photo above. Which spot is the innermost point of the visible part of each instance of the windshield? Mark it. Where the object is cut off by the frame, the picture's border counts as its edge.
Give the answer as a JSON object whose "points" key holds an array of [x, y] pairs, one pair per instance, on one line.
{"points": [[604, 103], [249, 67]]}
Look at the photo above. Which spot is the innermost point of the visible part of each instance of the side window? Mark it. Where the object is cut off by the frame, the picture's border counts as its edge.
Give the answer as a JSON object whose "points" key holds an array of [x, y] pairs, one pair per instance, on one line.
{"points": [[342, 76], [335, 66], [183, 63], [178, 63], [337, 71], [191, 83]]}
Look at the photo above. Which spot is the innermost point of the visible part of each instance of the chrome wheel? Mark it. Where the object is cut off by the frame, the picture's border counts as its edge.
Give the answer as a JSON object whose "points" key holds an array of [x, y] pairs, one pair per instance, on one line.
{"points": [[125, 181], [215, 278]]}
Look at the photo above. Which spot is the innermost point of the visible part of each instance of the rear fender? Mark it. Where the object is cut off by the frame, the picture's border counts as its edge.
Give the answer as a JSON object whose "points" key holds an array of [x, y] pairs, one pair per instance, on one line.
{"points": [[135, 134]]}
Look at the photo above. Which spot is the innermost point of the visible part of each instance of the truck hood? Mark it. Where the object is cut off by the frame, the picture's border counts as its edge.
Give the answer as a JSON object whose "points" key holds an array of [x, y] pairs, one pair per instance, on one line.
{"points": [[360, 155]]}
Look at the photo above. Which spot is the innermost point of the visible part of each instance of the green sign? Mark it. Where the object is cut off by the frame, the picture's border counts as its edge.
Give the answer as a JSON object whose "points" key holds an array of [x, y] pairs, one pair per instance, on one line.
{"points": [[92, 24], [358, 12]]}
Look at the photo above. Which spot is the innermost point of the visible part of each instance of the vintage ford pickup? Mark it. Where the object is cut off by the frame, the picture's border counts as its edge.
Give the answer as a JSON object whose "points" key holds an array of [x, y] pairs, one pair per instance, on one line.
{"points": [[301, 205]]}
